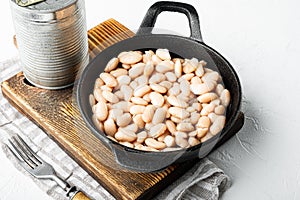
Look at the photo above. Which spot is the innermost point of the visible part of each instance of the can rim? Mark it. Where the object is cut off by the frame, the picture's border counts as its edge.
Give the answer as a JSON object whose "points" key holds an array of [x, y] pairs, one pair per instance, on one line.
{"points": [[35, 15]]}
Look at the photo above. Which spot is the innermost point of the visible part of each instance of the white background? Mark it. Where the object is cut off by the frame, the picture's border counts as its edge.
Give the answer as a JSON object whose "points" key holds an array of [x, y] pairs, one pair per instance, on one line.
{"points": [[261, 39]]}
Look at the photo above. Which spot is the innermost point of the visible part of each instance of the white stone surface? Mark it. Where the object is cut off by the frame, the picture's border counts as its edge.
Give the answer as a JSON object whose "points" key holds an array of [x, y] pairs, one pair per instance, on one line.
{"points": [[261, 39]]}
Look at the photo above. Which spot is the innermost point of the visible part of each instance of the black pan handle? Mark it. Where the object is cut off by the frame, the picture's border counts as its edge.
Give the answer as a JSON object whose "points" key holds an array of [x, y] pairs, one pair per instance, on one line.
{"points": [[158, 7]]}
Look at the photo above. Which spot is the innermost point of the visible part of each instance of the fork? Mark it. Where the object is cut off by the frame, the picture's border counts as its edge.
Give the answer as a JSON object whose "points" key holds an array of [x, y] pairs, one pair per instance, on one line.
{"points": [[39, 168]]}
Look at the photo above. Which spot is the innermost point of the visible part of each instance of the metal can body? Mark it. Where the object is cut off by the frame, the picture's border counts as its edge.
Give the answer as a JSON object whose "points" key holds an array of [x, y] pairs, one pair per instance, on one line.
{"points": [[52, 41]]}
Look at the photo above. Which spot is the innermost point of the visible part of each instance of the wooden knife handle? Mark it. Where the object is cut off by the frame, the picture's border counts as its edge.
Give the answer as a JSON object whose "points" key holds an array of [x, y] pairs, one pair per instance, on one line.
{"points": [[80, 196]]}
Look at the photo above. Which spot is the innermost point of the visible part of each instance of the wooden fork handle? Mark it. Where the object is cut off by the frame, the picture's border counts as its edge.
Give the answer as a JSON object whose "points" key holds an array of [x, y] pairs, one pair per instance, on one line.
{"points": [[80, 196], [75, 194]]}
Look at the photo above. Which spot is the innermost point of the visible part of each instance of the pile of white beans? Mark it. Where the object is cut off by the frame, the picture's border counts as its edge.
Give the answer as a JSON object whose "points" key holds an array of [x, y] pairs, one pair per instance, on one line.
{"points": [[152, 102]]}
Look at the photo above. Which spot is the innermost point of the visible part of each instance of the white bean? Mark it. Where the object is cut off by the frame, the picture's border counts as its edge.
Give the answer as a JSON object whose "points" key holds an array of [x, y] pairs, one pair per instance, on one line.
{"points": [[146, 97], [187, 77], [201, 132], [163, 54], [166, 84], [138, 120], [219, 89], [190, 109], [176, 102], [98, 83], [165, 66], [157, 78], [122, 105], [225, 97], [136, 70], [185, 127], [178, 68], [196, 80], [127, 91], [92, 100], [159, 116], [207, 97], [154, 143], [142, 80], [185, 87], [125, 135], [207, 109], [203, 87], [203, 122], [149, 68], [139, 101], [119, 72], [176, 119], [98, 95], [218, 125], [156, 99], [108, 79], [195, 117], [127, 144], [101, 111], [200, 70], [169, 141], [197, 106], [141, 136], [124, 120], [175, 90], [110, 127], [179, 112], [171, 126], [212, 116], [171, 77], [131, 127], [211, 76], [193, 141], [141, 90], [148, 114], [193, 133], [148, 56], [134, 84], [220, 110], [157, 130], [158, 88], [130, 57], [115, 113], [182, 142], [190, 66], [156, 60], [123, 80], [110, 97], [137, 109], [111, 65], [106, 88], [119, 94], [217, 102]]}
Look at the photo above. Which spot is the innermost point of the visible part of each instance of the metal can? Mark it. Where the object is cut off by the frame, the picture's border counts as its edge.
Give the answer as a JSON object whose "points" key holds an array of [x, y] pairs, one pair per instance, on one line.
{"points": [[52, 41]]}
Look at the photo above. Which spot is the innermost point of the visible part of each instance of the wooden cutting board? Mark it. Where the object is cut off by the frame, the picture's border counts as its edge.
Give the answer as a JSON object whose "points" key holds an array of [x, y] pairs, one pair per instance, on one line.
{"points": [[55, 111]]}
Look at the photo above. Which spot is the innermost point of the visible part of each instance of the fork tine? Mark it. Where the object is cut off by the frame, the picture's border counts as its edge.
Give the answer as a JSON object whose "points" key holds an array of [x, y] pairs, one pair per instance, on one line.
{"points": [[18, 149], [29, 150]]}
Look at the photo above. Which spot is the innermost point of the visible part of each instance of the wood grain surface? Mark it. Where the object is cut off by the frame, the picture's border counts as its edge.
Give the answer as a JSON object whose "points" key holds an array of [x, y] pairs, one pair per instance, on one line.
{"points": [[55, 111]]}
